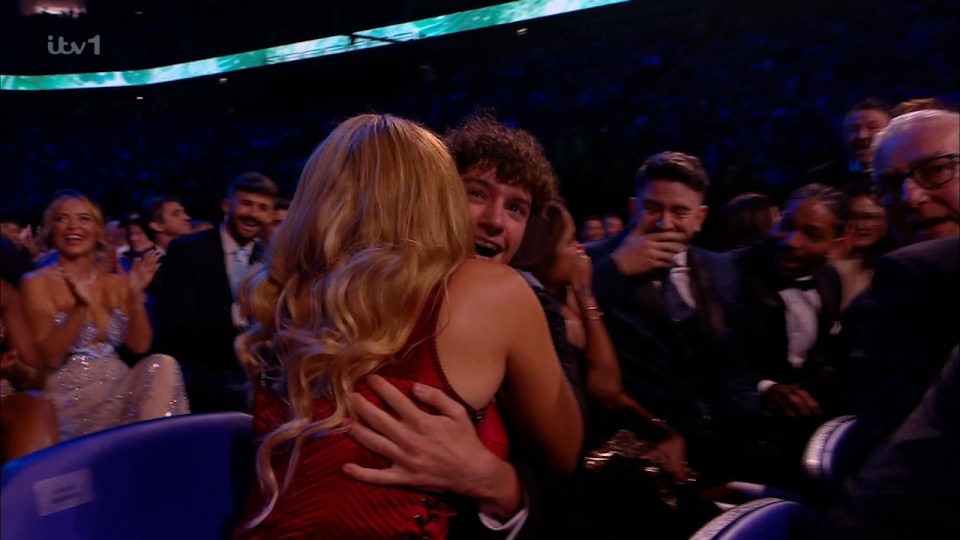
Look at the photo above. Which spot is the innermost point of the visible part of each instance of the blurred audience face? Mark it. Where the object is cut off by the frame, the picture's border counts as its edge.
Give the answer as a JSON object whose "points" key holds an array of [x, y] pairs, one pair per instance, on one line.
{"points": [[114, 234], [76, 228], [11, 231], [859, 129], [175, 222], [498, 212], [277, 218], [918, 175], [566, 253], [592, 230], [805, 237], [868, 222], [246, 214], [138, 240], [670, 206], [612, 226]]}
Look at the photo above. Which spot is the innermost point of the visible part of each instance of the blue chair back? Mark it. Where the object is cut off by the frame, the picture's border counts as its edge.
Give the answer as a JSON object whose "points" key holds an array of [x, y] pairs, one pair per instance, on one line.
{"points": [[183, 478], [764, 519], [823, 456]]}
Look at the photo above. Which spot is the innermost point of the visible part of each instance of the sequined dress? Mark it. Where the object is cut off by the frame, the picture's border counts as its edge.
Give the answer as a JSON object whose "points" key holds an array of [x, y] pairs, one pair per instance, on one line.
{"points": [[94, 390]]}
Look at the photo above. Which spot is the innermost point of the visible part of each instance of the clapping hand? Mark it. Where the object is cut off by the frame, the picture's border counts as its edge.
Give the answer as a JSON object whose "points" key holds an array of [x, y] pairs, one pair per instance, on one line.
{"points": [[81, 295], [143, 271]]}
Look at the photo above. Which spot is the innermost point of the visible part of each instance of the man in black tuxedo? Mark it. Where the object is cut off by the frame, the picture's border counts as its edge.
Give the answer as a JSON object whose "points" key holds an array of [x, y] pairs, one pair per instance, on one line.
{"points": [[197, 311], [910, 315], [791, 307], [671, 309]]}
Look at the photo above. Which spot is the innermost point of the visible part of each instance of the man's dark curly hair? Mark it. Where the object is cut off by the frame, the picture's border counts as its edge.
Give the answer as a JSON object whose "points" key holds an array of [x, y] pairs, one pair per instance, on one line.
{"points": [[517, 155]]}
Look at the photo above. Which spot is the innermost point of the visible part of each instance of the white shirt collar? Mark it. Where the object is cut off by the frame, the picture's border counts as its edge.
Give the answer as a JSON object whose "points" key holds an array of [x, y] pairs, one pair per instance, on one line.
{"points": [[681, 259], [230, 246]]}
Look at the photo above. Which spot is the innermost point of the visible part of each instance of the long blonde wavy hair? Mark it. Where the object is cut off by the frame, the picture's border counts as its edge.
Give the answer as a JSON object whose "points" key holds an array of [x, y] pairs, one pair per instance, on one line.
{"points": [[379, 219]]}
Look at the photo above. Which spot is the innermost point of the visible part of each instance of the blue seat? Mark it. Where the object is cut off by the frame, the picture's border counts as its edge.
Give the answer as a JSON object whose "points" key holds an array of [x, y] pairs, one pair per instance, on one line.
{"points": [[822, 458], [183, 478], [764, 519]]}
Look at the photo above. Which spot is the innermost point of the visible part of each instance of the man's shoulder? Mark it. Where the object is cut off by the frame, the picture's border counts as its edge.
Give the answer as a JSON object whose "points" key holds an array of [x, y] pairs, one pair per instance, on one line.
{"points": [[933, 256], [713, 261], [191, 242], [601, 248]]}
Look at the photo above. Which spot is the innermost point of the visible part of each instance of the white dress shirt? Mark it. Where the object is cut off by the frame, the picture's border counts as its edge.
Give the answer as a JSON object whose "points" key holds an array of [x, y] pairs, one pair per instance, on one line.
{"points": [[802, 314]]}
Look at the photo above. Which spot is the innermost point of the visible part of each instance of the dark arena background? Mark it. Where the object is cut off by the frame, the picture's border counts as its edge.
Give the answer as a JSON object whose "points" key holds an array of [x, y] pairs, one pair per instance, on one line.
{"points": [[757, 89]]}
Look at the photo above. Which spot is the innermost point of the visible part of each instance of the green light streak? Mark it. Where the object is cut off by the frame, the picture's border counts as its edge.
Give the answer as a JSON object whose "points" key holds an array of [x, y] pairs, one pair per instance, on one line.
{"points": [[513, 12]]}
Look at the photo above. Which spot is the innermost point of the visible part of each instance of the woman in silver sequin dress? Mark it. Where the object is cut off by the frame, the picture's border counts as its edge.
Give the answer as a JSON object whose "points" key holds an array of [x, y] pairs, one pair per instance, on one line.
{"points": [[80, 316]]}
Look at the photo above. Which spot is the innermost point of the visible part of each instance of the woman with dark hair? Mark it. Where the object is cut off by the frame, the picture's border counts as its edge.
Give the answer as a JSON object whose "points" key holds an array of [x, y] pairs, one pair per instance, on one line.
{"points": [[552, 254], [868, 238]]}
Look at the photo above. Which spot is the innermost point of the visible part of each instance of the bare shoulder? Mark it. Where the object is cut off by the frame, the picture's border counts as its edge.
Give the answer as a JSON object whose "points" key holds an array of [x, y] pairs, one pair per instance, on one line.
{"points": [[39, 277], [492, 288], [489, 279]]}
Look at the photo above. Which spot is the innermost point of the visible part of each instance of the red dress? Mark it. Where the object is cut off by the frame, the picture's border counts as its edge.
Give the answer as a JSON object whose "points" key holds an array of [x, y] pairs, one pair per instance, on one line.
{"points": [[323, 503]]}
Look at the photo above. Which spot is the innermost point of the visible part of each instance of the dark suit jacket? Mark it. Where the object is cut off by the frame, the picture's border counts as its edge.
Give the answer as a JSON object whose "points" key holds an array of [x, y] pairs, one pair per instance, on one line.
{"points": [[14, 263], [764, 318], [193, 310], [707, 390], [910, 320], [910, 486]]}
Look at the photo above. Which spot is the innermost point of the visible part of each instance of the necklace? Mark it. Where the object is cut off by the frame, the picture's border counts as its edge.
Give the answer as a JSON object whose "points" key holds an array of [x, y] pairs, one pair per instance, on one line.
{"points": [[84, 283]]}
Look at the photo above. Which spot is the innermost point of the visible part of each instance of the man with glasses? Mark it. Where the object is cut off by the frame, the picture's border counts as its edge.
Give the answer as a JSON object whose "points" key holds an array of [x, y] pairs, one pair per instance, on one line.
{"points": [[925, 194], [910, 316]]}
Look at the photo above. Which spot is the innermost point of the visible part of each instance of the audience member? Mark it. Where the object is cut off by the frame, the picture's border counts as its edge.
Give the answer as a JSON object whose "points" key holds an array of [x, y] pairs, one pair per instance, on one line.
{"points": [[164, 220], [909, 317], [612, 225], [389, 289], [671, 312], [791, 309], [280, 208], [868, 238], [591, 229], [507, 178], [197, 312], [27, 420], [79, 317], [747, 218], [861, 124]]}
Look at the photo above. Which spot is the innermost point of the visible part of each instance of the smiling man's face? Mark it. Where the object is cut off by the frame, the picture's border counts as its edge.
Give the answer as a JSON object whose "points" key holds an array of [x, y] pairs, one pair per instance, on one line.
{"points": [[498, 212]]}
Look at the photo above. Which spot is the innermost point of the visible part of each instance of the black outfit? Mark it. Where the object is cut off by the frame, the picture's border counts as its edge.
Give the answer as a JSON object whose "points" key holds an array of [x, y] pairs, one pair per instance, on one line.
{"points": [[686, 367], [196, 328], [15, 263], [908, 324], [767, 355], [910, 486]]}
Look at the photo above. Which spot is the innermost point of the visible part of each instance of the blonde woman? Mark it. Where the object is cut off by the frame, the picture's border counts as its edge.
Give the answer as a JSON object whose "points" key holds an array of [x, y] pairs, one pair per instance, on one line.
{"points": [[373, 273], [80, 315]]}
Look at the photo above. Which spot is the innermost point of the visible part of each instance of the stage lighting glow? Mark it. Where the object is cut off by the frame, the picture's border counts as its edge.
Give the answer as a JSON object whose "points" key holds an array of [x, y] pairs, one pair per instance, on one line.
{"points": [[512, 12]]}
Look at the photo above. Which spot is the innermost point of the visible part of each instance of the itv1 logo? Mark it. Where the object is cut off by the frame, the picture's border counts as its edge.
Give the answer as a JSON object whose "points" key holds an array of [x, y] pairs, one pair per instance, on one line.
{"points": [[62, 46]]}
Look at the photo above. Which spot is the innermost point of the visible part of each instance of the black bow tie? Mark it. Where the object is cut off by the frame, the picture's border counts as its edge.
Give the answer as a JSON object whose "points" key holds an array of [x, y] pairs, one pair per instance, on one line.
{"points": [[802, 284]]}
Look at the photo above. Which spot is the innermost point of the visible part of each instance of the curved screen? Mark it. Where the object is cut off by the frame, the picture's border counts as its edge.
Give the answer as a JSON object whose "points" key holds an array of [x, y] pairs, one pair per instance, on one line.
{"points": [[512, 12]]}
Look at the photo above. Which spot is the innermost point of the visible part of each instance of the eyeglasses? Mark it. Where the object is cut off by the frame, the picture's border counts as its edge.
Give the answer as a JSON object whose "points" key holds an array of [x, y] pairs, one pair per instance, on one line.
{"points": [[929, 174]]}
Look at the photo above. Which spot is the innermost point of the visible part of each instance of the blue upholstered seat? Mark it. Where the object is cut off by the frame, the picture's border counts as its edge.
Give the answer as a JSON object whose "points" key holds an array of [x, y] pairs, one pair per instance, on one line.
{"points": [[180, 478]]}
